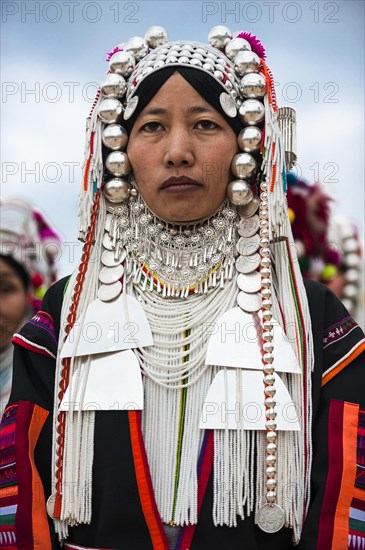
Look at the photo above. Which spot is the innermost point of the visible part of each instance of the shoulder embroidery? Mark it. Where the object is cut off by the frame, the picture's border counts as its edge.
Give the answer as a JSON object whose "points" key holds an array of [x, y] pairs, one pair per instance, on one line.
{"points": [[338, 331]]}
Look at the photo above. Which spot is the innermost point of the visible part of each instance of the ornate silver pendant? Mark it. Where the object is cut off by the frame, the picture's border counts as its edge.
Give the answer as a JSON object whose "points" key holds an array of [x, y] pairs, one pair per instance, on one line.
{"points": [[270, 518]]}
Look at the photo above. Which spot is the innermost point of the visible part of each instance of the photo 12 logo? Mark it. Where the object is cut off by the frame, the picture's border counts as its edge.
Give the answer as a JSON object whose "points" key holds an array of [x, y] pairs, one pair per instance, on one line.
{"points": [[70, 12]]}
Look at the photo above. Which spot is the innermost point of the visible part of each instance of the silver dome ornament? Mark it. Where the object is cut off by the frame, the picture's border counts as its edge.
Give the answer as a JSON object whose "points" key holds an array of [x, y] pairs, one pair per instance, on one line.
{"points": [[114, 137], [122, 63], [235, 46], [243, 166], [116, 190], [219, 36], [137, 46], [109, 110], [252, 112], [253, 85], [117, 163], [247, 62], [249, 139], [156, 36], [113, 85], [239, 192]]}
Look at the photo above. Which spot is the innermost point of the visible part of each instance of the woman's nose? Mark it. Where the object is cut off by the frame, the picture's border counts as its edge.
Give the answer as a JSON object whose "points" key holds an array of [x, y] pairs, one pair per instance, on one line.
{"points": [[179, 148]]}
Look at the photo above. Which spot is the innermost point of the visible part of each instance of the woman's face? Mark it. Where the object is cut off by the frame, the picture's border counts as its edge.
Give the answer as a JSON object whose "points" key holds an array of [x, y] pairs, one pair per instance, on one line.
{"points": [[181, 149], [13, 302]]}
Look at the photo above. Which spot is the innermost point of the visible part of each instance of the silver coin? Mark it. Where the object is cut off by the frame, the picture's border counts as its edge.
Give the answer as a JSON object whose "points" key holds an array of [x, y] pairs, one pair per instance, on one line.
{"points": [[249, 282], [248, 264], [270, 518], [108, 257], [248, 226], [249, 302], [110, 275], [247, 247], [50, 505], [106, 293], [249, 209], [108, 242]]}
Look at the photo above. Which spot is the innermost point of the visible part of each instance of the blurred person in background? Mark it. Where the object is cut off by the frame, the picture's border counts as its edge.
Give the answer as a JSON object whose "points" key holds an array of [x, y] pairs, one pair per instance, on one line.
{"points": [[29, 247], [328, 245]]}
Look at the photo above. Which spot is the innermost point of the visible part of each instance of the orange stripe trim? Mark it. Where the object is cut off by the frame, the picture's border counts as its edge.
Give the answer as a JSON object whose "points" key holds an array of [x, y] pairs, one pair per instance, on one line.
{"points": [[147, 502], [40, 528], [343, 364], [349, 434], [8, 491]]}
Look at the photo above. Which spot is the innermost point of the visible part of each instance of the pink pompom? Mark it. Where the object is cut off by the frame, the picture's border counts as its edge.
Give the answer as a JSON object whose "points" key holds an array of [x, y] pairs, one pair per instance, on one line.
{"points": [[255, 44], [114, 50]]}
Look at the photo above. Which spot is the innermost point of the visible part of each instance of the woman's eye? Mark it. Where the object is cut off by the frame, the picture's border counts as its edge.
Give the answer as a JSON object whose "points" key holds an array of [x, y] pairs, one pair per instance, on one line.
{"points": [[151, 127], [206, 125]]}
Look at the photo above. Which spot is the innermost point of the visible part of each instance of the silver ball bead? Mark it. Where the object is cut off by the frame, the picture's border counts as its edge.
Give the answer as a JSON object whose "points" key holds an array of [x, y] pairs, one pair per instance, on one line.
{"points": [[264, 214], [266, 293], [264, 231], [268, 357], [264, 196], [270, 413], [118, 163], [113, 85], [122, 63], [136, 46], [350, 291], [271, 496], [156, 36], [114, 137], [350, 245], [271, 483], [239, 192], [235, 46], [270, 391], [271, 437], [268, 346], [267, 315], [249, 139], [263, 186], [264, 242], [265, 252], [267, 325], [246, 62], [116, 190], [265, 282], [243, 166], [268, 369], [110, 110], [270, 459], [270, 425], [264, 203], [352, 275], [271, 449], [270, 402], [265, 262], [219, 36], [252, 112], [352, 260], [269, 379], [253, 86], [267, 336]]}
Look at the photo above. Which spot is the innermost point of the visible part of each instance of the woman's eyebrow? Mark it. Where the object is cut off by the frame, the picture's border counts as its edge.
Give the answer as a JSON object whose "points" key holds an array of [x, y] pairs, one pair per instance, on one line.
{"points": [[194, 109]]}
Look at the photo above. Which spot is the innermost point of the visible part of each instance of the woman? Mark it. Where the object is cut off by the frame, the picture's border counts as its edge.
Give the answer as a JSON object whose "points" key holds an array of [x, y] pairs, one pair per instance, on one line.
{"points": [[27, 252], [186, 305]]}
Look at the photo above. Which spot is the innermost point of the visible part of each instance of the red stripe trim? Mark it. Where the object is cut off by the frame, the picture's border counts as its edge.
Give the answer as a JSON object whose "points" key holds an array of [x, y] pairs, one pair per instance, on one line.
{"points": [[30, 347], [334, 476], [144, 483], [202, 486]]}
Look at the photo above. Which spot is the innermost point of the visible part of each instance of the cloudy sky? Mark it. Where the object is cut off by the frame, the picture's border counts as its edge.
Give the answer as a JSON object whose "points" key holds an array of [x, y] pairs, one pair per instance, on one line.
{"points": [[53, 58]]}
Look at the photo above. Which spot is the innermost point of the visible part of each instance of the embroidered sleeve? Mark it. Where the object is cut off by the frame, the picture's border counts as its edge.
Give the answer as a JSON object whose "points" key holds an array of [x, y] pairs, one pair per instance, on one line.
{"points": [[24, 522], [38, 335], [343, 339]]}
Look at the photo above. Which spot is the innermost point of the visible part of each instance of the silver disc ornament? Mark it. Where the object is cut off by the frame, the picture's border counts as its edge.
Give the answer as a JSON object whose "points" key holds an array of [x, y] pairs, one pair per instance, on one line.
{"points": [[270, 518], [107, 293], [110, 275], [249, 282], [50, 505], [247, 227], [246, 246], [109, 258], [248, 264], [249, 302], [248, 210]]}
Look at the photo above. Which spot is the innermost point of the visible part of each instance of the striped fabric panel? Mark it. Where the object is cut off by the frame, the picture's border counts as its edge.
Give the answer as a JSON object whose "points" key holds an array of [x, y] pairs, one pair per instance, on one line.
{"points": [[343, 362], [23, 520], [342, 520], [144, 482]]}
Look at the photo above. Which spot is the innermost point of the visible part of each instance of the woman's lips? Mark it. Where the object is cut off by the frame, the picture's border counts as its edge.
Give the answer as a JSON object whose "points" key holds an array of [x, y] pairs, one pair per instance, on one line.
{"points": [[182, 183]]}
